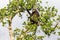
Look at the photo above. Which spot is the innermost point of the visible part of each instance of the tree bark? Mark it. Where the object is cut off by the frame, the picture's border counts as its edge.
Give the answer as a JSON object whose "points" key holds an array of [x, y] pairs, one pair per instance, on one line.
{"points": [[10, 29]]}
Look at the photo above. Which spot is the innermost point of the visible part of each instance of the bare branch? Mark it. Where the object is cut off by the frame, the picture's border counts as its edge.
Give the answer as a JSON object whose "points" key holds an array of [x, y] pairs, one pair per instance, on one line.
{"points": [[28, 11]]}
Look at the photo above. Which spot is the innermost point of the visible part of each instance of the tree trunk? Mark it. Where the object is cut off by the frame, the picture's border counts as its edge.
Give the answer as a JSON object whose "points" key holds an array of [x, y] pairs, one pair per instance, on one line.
{"points": [[10, 29]]}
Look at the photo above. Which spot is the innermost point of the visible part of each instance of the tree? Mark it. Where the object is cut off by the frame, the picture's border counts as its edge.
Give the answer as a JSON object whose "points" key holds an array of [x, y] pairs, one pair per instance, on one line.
{"points": [[29, 33]]}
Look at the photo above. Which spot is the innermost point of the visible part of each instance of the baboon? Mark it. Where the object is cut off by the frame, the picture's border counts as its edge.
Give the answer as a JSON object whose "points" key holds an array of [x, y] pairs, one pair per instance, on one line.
{"points": [[33, 15]]}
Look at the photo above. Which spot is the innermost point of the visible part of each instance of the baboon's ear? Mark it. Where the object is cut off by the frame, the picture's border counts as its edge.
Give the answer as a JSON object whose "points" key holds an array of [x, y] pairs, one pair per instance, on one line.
{"points": [[35, 11]]}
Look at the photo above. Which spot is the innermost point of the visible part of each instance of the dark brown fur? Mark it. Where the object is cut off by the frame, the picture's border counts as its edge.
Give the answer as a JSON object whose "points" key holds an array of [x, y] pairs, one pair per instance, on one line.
{"points": [[37, 14]]}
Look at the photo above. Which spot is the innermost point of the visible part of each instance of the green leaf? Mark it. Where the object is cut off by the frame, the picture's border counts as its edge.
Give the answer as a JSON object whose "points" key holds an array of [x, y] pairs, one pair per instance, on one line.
{"points": [[3, 23], [59, 33], [40, 37]]}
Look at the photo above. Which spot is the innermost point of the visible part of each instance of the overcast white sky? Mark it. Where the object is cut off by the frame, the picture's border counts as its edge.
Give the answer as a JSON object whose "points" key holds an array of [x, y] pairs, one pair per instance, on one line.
{"points": [[4, 35]]}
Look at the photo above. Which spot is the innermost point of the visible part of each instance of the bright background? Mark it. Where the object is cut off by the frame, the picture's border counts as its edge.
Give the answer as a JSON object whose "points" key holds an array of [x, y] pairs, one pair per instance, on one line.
{"points": [[17, 21]]}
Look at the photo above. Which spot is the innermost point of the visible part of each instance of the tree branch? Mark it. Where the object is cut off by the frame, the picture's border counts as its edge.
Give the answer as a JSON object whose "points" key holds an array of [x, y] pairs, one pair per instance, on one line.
{"points": [[55, 27], [35, 32], [28, 11]]}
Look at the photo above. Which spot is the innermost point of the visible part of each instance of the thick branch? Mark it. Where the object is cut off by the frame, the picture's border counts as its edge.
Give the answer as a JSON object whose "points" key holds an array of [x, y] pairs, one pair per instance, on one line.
{"points": [[10, 29]]}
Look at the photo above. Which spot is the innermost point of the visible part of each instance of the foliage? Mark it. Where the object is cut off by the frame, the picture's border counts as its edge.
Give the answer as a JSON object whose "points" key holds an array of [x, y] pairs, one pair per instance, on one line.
{"points": [[46, 13]]}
